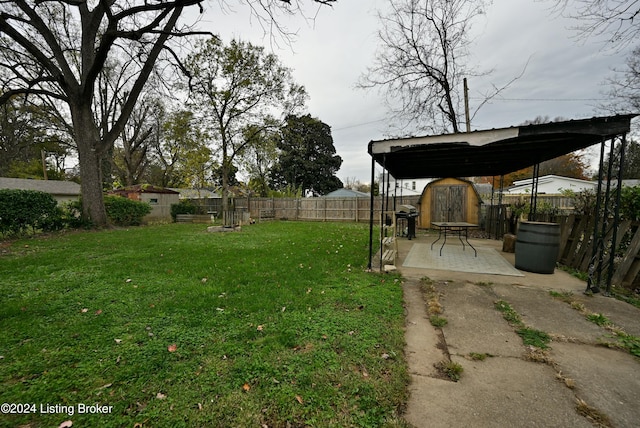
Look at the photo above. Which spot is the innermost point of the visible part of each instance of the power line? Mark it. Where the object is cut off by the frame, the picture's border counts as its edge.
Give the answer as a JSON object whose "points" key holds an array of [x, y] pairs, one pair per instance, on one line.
{"points": [[358, 124], [544, 99]]}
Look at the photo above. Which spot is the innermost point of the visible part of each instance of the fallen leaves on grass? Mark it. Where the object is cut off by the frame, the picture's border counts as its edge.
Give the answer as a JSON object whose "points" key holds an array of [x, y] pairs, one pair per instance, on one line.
{"points": [[66, 424], [161, 396], [299, 399], [172, 348], [99, 311], [246, 387]]}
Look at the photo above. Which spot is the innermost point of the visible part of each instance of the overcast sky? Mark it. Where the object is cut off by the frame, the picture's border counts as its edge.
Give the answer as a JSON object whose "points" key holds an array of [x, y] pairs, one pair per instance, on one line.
{"points": [[564, 77]]}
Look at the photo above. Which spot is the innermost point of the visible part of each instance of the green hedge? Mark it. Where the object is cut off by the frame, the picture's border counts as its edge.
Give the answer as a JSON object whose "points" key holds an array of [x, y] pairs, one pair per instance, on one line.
{"points": [[184, 207], [125, 212], [21, 210]]}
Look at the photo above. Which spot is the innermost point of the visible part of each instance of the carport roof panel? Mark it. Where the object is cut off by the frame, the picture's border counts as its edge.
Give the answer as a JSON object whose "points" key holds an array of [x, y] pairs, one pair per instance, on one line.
{"points": [[492, 152]]}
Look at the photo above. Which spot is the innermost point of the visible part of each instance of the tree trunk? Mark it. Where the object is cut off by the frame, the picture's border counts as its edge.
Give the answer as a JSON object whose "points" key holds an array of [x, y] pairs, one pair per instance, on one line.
{"points": [[89, 155], [91, 186]]}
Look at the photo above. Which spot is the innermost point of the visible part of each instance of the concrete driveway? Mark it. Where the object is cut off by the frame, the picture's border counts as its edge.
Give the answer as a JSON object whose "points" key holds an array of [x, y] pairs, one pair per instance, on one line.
{"points": [[577, 382]]}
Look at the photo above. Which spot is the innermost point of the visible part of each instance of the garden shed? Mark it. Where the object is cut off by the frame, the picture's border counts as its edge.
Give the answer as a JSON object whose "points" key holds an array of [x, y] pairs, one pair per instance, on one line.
{"points": [[449, 199], [159, 198]]}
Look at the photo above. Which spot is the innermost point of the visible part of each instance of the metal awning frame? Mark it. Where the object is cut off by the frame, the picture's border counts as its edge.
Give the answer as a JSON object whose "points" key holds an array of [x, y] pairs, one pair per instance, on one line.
{"points": [[497, 152]]}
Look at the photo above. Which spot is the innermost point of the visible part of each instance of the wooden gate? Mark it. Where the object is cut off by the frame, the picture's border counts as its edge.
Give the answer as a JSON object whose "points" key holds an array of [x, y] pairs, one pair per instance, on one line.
{"points": [[449, 203]]}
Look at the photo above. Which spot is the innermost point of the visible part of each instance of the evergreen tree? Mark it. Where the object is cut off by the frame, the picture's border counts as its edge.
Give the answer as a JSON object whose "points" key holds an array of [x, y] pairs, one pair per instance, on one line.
{"points": [[308, 158]]}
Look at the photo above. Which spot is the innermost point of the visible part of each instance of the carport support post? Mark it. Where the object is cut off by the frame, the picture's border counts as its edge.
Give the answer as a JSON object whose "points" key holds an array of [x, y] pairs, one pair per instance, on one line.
{"points": [[500, 208], [383, 206], [616, 218], [371, 201], [605, 215], [598, 246]]}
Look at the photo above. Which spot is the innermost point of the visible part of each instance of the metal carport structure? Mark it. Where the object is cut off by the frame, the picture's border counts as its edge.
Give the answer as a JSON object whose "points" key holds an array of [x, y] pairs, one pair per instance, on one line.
{"points": [[496, 152]]}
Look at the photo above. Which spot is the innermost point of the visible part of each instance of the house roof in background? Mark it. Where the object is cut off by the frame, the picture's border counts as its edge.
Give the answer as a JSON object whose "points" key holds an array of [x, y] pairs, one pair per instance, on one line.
{"points": [[196, 193], [346, 193], [144, 188], [550, 178], [495, 151], [54, 187]]}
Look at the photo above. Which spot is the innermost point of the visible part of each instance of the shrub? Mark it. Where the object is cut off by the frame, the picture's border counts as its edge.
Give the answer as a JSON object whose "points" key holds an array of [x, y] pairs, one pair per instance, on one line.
{"points": [[630, 203], [585, 201], [183, 207], [125, 212], [21, 210], [72, 215]]}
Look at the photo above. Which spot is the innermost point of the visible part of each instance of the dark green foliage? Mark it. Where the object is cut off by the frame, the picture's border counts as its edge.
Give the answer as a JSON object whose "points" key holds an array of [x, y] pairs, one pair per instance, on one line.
{"points": [[308, 157], [72, 215], [585, 202], [125, 212], [630, 203], [21, 210], [184, 207], [631, 167]]}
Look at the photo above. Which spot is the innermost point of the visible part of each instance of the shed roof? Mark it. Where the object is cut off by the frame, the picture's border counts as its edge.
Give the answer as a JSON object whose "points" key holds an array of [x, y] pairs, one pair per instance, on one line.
{"points": [[145, 188], [54, 187], [494, 151]]}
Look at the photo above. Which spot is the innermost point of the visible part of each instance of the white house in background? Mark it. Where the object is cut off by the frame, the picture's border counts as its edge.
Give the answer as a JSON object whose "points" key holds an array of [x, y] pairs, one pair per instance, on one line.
{"points": [[551, 185], [62, 191], [408, 187]]}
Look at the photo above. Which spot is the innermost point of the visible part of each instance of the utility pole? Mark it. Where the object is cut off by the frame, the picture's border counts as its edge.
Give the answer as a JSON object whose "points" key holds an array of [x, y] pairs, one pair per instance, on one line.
{"points": [[44, 163], [466, 105]]}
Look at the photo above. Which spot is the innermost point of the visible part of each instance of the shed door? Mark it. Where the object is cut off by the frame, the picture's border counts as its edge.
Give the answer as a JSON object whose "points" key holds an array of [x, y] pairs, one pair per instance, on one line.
{"points": [[448, 203]]}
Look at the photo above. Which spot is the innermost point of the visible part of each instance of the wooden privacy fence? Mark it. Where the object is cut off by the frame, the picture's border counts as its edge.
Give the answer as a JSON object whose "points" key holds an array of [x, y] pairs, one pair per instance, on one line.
{"points": [[577, 243], [317, 209]]}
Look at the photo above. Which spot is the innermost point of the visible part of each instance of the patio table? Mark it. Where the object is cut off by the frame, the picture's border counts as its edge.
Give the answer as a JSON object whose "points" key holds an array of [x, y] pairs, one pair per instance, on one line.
{"points": [[458, 228]]}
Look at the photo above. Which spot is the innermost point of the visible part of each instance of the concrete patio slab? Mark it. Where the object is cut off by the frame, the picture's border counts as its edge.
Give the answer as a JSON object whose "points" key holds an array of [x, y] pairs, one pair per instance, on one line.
{"points": [[509, 387]]}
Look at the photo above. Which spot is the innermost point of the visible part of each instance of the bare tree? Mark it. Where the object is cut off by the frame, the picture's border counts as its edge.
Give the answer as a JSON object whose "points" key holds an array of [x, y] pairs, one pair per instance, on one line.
{"points": [[235, 88], [617, 20], [624, 87], [57, 49], [132, 151], [420, 61]]}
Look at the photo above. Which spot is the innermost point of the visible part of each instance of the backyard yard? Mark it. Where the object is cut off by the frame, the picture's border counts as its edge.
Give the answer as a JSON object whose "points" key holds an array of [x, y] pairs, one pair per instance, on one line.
{"points": [[277, 325]]}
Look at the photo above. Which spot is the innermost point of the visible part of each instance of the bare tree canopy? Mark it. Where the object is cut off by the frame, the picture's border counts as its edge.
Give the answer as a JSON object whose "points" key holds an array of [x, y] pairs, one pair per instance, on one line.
{"points": [[420, 60], [617, 20], [237, 87], [55, 52], [624, 87]]}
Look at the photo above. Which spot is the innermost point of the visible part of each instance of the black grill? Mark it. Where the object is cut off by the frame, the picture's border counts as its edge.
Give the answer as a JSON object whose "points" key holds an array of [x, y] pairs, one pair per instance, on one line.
{"points": [[408, 214]]}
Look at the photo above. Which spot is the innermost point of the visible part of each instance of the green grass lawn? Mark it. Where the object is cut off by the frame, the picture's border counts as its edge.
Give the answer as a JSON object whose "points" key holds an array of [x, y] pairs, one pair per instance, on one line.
{"points": [[277, 325]]}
